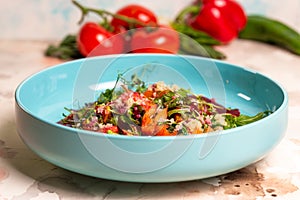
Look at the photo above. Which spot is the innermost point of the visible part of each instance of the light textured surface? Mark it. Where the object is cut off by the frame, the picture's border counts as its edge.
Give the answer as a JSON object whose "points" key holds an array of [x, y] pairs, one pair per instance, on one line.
{"points": [[23, 175]]}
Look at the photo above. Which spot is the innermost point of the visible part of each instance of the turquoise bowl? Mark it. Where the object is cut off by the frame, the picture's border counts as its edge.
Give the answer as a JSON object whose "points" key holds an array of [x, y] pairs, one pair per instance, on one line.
{"points": [[41, 98]]}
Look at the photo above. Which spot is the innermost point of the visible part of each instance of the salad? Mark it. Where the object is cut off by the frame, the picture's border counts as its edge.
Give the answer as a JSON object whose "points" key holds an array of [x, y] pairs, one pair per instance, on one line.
{"points": [[155, 109]]}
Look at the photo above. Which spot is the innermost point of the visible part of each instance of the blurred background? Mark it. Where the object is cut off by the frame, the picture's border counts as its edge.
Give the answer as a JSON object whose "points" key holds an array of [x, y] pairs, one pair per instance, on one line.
{"points": [[51, 20]]}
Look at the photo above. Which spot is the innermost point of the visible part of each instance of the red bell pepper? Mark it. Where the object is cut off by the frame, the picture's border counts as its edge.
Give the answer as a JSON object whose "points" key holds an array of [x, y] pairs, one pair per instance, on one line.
{"points": [[222, 19]]}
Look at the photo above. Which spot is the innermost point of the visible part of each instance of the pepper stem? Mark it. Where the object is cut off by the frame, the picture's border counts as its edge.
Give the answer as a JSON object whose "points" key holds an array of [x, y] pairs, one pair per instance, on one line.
{"points": [[194, 9]]}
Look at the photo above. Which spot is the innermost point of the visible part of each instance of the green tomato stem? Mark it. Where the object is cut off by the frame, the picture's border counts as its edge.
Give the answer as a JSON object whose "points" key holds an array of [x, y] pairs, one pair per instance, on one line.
{"points": [[104, 13]]}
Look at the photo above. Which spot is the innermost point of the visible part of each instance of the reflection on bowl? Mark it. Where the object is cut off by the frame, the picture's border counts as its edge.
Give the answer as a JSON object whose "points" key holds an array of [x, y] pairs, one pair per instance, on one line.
{"points": [[41, 98]]}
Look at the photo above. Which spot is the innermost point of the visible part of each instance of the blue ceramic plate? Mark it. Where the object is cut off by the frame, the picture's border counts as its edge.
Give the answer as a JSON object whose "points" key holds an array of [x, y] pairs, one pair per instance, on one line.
{"points": [[41, 98]]}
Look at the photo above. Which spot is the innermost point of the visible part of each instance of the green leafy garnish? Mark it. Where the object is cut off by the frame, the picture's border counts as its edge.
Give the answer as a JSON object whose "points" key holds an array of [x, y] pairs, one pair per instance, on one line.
{"points": [[108, 94], [135, 84], [233, 121]]}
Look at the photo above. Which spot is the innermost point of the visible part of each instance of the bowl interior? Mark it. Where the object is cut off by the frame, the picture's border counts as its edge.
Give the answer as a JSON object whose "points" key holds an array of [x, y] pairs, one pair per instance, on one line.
{"points": [[72, 84]]}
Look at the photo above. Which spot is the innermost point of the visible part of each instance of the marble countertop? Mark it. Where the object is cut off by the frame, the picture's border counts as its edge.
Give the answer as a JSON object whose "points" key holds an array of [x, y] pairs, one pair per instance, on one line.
{"points": [[24, 175]]}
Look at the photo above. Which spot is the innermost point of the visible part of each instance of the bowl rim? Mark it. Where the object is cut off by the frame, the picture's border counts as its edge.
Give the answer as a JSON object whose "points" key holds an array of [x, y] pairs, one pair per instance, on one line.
{"points": [[19, 103]]}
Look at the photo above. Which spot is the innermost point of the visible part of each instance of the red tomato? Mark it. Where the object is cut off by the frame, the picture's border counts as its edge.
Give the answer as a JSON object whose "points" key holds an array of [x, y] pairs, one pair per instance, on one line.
{"points": [[158, 40], [94, 40], [113, 129], [136, 12]]}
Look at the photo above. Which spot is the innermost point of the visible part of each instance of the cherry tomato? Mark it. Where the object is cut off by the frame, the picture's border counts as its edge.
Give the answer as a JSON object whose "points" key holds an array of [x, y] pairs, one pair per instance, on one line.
{"points": [[136, 12], [113, 129], [157, 40], [94, 40]]}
